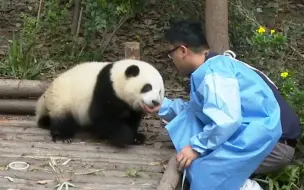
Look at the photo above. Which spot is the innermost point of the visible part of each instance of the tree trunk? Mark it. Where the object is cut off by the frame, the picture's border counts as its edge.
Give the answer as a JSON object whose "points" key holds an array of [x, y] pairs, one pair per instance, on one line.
{"points": [[75, 17], [216, 20]]}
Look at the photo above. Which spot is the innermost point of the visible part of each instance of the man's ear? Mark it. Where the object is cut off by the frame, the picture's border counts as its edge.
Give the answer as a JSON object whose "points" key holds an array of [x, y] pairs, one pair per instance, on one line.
{"points": [[184, 50]]}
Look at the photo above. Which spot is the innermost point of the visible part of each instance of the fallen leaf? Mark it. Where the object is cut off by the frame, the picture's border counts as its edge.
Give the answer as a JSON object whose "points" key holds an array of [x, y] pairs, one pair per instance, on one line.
{"points": [[154, 163], [43, 182], [158, 145], [39, 46], [9, 178], [66, 162]]}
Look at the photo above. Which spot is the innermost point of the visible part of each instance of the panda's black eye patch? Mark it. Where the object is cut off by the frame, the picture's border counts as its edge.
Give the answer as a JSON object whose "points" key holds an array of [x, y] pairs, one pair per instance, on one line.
{"points": [[146, 88], [132, 71]]}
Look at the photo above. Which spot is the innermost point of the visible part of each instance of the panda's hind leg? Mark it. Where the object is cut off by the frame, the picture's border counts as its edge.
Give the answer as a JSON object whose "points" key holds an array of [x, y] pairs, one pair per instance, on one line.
{"points": [[63, 128]]}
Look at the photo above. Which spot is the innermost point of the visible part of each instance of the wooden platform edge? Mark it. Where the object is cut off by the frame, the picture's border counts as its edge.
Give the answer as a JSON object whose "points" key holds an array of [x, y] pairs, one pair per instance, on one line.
{"points": [[171, 176]]}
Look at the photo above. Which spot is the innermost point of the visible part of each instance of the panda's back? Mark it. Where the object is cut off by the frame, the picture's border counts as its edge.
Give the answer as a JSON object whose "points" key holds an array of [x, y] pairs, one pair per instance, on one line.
{"points": [[72, 91]]}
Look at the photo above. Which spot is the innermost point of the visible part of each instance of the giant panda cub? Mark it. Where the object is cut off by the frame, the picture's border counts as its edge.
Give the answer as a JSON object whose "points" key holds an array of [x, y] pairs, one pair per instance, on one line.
{"points": [[110, 97]]}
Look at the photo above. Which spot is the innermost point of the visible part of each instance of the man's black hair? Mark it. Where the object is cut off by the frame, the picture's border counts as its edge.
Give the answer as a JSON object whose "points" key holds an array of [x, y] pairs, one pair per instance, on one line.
{"points": [[189, 33]]}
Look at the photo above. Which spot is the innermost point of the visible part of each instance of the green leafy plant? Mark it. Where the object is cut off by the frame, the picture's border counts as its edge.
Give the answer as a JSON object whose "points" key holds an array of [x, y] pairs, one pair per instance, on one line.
{"points": [[287, 179], [101, 19], [293, 93], [268, 45], [20, 62], [105, 17]]}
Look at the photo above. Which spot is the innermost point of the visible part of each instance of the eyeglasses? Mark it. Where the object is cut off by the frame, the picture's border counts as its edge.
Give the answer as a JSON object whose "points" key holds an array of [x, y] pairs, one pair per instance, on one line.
{"points": [[171, 51]]}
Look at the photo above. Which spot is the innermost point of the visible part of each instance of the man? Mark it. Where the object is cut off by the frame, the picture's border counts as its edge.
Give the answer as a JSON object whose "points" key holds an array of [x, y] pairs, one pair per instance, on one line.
{"points": [[236, 122]]}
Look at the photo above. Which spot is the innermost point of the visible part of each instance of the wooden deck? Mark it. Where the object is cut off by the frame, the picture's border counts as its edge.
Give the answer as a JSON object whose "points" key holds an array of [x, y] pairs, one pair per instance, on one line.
{"points": [[85, 163]]}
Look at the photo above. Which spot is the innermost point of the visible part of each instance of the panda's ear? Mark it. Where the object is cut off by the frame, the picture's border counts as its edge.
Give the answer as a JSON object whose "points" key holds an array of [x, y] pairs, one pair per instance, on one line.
{"points": [[132, 71]]}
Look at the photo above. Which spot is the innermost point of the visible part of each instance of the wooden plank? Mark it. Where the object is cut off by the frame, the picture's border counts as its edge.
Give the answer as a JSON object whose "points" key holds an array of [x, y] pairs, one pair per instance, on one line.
{"points": [[86, 147], [152, 125], [38, 163], [79, 138], [27, 130], [78, 186], [97, 155], [24, 141], [86, 179], [35, 134]]}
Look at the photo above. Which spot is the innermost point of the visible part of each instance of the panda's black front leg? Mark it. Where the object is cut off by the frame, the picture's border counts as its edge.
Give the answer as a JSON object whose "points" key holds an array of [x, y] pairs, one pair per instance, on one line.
{"points": [[116, 131], [134, 123], [63, 128]]}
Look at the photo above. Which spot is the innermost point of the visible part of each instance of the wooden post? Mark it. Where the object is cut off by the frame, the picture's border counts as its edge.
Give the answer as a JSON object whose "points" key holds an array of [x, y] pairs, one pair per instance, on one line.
{"points": [[216, 21], [17, 106], [171, 177], [20, 96], [132, 50], [10, 88]]}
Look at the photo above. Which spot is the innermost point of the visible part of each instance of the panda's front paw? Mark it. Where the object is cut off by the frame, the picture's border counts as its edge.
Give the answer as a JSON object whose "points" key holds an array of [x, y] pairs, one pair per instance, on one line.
{"points": [[68, 140], [56, 135], [139, 139]]}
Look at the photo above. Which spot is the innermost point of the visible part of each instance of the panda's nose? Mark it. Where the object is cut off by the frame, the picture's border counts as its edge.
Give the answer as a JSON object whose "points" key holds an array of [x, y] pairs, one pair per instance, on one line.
{"points": [[155, 103]]}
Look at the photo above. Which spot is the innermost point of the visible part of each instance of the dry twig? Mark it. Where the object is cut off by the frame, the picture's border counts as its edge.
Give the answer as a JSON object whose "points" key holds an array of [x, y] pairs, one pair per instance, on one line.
{"points": [[90, 172], [39, 12]]}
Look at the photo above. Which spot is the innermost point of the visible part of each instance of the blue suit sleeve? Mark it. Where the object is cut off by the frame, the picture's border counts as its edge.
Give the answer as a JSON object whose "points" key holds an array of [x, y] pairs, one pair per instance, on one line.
{"points": [[170, 108], [223, 110]]}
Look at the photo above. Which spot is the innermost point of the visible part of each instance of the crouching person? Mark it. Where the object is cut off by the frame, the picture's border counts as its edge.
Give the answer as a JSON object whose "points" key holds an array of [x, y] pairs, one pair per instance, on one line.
{"points": [[236, 122]]}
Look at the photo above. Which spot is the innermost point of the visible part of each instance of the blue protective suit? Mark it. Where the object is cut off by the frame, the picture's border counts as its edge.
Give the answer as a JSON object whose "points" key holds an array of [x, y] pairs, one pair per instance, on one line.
{"points": [[232, 119]]}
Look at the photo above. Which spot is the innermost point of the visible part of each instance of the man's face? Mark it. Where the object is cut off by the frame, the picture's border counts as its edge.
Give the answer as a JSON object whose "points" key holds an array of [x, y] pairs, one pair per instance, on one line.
{"points": [[180, 56]]}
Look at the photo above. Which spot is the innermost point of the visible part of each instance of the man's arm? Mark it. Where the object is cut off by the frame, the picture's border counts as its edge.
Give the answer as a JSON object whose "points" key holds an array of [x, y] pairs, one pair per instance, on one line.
{"points": [[170, 108], [222, 105]]}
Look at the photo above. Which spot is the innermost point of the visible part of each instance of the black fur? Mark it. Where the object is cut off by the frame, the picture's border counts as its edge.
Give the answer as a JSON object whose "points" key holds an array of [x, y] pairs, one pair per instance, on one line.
{"points": [[132, 71], [112, 118], [44, 122], [146, 88], [61, 128], [64, 128]]}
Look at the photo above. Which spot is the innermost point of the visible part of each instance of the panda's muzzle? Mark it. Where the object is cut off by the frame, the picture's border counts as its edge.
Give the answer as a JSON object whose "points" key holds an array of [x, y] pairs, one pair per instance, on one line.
{"points": [[155, 103], [151, 108]]}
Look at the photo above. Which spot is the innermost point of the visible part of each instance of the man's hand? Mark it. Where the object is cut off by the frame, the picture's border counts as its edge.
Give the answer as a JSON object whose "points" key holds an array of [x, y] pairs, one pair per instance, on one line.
{"points": [[165, 122], [185, 157]]}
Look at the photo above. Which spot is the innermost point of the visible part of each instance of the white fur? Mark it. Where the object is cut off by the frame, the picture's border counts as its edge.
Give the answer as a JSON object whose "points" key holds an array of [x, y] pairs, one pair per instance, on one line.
{"points": [[129, 90], [73, 89]]}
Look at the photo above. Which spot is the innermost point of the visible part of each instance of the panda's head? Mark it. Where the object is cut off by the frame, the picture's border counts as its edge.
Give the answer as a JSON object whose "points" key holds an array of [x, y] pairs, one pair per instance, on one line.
{"points": [[137, 83]]}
